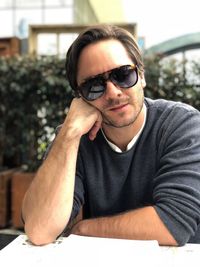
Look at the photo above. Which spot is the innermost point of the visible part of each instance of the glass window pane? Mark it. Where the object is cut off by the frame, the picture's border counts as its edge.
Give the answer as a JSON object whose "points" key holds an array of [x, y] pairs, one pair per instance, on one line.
{"points": [[25, 17], [5, 3], [47, 44], [6, 18], [28, 3], [58, 2], [61, 15], [65, 40], [193, 54]]}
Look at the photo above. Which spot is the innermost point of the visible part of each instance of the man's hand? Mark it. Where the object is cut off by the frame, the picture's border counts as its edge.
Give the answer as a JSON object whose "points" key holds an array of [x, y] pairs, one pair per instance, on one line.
{"points": [[83, 118]]}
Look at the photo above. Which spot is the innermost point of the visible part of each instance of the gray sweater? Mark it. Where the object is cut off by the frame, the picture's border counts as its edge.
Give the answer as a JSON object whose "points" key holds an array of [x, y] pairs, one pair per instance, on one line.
{"points": [[162, 169]]}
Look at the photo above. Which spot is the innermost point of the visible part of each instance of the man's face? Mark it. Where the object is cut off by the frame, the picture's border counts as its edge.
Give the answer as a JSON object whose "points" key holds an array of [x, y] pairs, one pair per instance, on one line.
{"points": [[120, 107]]}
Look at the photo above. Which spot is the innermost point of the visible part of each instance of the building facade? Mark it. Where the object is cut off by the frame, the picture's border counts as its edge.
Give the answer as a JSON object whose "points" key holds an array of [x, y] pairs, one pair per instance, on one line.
{"points": [[20, 16]]}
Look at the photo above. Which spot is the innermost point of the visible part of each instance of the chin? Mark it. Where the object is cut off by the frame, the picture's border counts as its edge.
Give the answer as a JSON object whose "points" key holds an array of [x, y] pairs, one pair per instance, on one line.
{"points": [[120, 124]]}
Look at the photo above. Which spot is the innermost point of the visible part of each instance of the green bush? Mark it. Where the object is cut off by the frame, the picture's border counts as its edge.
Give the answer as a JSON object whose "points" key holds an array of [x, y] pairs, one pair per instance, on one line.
{"points": [[34, 95], [173, 79]]}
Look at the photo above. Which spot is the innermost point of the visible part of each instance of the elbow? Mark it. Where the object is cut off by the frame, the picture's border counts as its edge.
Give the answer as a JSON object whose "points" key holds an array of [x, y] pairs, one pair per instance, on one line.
{"points": [[40, 240], [38, 237]]}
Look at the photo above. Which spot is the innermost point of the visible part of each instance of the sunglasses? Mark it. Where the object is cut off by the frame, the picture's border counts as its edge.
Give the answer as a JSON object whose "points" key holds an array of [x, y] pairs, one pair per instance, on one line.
{"points": [[124, 76]]}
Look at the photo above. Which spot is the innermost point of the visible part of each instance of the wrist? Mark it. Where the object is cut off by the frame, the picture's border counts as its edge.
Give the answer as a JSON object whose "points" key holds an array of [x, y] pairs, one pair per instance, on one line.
{"points": [[70, 133]]}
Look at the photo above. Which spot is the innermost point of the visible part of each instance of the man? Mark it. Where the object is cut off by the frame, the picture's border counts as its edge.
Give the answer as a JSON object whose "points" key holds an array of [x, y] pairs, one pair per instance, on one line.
{"points": [[132, 164]]}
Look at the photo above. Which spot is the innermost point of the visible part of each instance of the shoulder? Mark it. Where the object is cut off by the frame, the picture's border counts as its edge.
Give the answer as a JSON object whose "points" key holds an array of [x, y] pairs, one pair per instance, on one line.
{"points": [[170, 119], [162, 105], [169, 110]]}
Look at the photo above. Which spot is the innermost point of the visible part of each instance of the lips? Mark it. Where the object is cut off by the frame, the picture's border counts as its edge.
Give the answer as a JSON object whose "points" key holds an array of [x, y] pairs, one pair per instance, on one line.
{"points": [[119, 107]]}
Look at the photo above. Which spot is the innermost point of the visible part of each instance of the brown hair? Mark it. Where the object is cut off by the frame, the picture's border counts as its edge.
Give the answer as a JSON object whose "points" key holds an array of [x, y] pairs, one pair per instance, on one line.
{"points": [[98, 33]]}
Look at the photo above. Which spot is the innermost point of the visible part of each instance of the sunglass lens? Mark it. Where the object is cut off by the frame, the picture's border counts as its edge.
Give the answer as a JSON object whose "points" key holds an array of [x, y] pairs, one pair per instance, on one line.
{"points": [[125, 76], [92, 90]]}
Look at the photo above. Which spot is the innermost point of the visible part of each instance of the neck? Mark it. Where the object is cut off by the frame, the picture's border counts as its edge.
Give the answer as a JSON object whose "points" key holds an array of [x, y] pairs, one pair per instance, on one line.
{"points": [[121, 137]]}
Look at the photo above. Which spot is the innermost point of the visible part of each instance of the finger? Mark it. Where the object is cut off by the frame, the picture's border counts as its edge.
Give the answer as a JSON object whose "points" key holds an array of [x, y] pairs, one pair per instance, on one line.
{"points": [[94, 130]]}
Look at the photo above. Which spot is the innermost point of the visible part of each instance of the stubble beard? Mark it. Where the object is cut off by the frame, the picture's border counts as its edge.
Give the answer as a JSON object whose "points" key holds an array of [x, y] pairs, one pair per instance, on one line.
{"points": [[112, 123]]}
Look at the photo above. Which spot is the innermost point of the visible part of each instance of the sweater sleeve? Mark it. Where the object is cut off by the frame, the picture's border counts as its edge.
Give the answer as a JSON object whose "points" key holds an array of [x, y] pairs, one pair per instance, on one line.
{"points": [[177, 183], [79, 190]]}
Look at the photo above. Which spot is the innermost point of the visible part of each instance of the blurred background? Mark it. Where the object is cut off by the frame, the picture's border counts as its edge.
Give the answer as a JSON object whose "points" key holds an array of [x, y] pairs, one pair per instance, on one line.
{"points": [[34, 93]]}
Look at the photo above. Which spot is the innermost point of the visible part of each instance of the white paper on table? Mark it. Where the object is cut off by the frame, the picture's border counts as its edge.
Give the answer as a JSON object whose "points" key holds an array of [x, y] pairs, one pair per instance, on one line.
{"points": [[188, 255], [81, 251]]}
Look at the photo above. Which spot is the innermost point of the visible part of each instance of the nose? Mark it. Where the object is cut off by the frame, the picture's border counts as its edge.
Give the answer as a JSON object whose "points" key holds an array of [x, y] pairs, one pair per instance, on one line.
{"points": [[112, 91]]}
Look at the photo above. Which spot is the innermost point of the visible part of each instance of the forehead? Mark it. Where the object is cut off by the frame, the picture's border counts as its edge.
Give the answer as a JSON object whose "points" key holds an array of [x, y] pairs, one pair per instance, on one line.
{"points": [[101, 56]]}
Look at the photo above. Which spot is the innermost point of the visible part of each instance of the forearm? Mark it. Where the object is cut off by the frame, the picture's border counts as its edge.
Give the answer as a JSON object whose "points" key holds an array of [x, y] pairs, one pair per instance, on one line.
{"points": [[48, 202], [140, 224]]}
